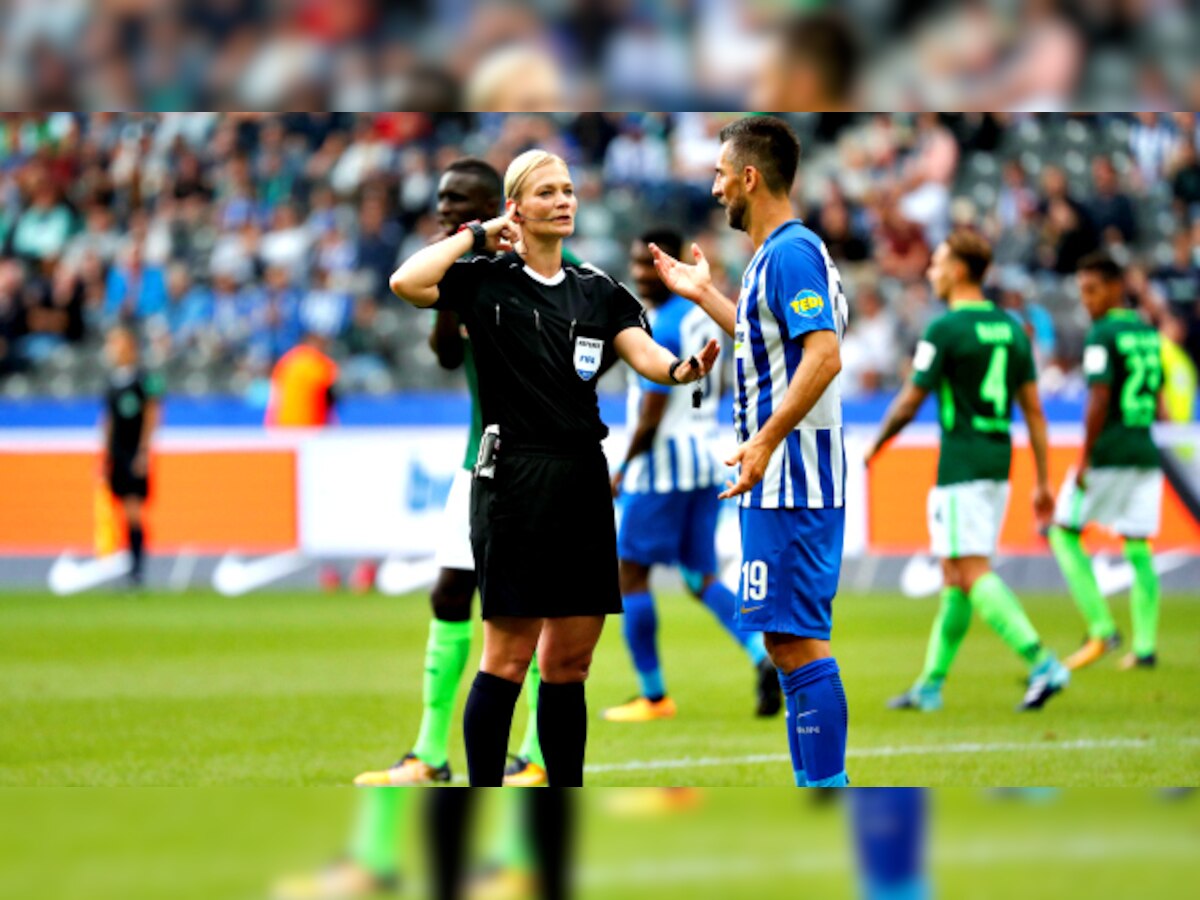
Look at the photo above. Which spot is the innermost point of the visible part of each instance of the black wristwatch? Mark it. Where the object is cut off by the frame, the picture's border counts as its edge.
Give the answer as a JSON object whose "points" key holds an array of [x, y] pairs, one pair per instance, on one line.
{"points": [[679, 362], [476, 228]]}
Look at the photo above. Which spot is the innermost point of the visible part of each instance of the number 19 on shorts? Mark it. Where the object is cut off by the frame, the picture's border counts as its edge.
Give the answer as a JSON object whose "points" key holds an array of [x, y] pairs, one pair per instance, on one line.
{"points": [[754, 580]]}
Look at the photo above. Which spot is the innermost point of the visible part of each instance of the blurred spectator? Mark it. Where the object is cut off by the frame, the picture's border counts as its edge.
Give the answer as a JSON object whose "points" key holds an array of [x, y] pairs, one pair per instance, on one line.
{"points": [[1016, 198], [135, 290], [836, 229], [900, 245], [42, 230], [1067, 232], [324, 310], [277, 325], [635, 158], [1185, 180], [926, 178], [378, 240], [99, 236], [1152, 142], [368, 349], [870, 351], [813, 62], [12, 314], [1110, 208], [1015, 289], [188, 313], [1178, 283], [53, 311], [285, 245]]}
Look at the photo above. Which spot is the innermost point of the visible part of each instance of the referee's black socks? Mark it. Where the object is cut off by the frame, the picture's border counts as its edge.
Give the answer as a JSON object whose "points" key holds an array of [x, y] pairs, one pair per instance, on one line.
{"points": [[137, 543], [562, 731], [487, 722]]}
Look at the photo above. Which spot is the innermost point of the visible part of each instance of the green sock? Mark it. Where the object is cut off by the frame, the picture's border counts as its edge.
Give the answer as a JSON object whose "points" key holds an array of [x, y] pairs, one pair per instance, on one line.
{"points": [[1000, 608], [1081, 581], [1143, 597], [376, 842], [949, 629], [531, 747], [445, 658], [510, 846]]}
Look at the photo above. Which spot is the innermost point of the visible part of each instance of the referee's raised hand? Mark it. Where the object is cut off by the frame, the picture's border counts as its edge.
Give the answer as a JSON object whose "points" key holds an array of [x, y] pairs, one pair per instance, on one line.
{"points": [[696, 367], [503, 232], [690, 281]]}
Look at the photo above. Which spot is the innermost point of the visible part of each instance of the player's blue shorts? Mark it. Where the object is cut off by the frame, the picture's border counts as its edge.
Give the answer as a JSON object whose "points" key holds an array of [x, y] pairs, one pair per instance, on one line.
{"points": [[671, 529], [791, 560]]}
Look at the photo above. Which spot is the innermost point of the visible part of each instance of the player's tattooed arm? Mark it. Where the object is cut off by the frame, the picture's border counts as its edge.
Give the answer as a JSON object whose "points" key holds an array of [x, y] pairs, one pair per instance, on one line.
{"points": [[1094, 419], [902, 410]]}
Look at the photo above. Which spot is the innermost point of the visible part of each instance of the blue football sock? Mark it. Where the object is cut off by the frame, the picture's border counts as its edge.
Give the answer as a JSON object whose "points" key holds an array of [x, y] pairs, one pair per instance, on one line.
{"points": [[889, 832], [817, 714], [797, 752], [641, 635], [723, 604]]}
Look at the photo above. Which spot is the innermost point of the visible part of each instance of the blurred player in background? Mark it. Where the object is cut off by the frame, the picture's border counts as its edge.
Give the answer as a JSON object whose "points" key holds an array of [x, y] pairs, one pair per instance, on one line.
{"points": [[670, 480], [469, 190], [131, 415], [787, 327], [978, 361], [302, 386], [1118, 479]]}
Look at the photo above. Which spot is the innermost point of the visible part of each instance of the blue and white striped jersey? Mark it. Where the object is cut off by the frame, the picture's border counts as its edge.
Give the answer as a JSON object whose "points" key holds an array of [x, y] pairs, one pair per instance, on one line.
{"points": [[682, 457], [790, 287]]}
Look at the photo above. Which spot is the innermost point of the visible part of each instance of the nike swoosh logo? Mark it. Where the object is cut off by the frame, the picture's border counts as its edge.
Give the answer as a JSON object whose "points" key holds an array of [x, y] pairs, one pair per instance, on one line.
{"points": [[750, 609], [804, 715]]}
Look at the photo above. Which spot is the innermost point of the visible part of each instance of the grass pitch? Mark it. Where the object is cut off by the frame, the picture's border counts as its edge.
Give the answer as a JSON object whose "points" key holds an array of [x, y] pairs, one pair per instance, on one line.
{"points": [[285, 689]]}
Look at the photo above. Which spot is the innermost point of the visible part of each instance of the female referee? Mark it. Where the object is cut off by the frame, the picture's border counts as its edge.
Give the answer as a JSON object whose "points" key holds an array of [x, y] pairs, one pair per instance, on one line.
{"points": [[541, 509]]}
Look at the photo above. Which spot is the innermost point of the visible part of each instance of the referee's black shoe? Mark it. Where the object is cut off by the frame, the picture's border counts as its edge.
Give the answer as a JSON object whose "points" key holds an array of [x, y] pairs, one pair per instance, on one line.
{"points": [[770, 694]]}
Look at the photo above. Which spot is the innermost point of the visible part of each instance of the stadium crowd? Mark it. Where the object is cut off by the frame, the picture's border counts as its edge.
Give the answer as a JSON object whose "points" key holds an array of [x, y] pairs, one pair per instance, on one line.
{"points": [[226, 237]]}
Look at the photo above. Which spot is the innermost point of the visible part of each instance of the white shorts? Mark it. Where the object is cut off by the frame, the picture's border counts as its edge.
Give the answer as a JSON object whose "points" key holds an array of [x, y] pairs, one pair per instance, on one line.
{"points": [[965, 518], [1125, 499], [454, 544]]}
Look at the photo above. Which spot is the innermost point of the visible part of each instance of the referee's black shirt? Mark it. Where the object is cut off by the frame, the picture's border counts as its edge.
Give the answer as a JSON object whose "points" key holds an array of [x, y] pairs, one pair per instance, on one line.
{"points": [[540, 345]]}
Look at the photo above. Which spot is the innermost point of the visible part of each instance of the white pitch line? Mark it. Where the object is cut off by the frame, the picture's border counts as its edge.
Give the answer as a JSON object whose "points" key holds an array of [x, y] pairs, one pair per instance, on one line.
{"points": [[874, 752], [702, 762]]}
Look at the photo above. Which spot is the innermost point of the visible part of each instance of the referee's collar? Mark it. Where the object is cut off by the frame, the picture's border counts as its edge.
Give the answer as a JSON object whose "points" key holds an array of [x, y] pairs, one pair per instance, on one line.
{"points": [[556, 278]]}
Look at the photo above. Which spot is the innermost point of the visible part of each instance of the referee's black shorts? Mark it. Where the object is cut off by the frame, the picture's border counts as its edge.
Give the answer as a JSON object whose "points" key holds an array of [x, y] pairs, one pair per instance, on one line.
{"points": [[123, 482], [543, 535]]}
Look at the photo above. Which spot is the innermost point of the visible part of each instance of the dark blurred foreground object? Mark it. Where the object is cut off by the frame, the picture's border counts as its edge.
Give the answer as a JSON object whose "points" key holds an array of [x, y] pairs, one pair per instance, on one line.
{"points": [[548, 817]]}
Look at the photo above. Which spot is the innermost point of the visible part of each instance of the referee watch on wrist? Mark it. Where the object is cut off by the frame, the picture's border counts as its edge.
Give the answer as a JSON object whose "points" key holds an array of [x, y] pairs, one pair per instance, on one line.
{"points": [[679, 362], [480, 233]]}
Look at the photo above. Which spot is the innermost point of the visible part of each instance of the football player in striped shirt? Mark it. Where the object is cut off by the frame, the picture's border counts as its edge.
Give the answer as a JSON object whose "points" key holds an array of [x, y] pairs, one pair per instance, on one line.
{"points": [[787, 326], [668, 487]]}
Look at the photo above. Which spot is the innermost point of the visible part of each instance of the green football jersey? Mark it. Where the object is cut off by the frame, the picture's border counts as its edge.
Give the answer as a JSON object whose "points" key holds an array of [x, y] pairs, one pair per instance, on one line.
{"points": [[975, 357], [476, 434], [1125, 353]]}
